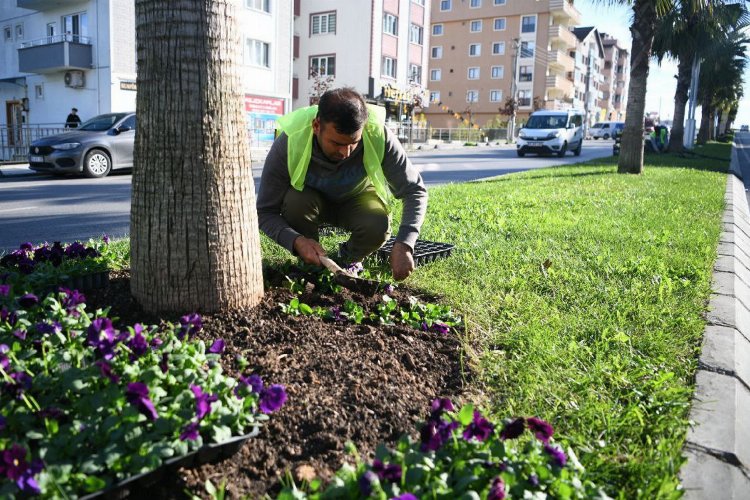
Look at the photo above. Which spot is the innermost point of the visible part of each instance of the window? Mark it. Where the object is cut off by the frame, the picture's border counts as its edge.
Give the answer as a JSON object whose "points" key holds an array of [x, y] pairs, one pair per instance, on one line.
{"points": [[475, 4], [435, 75], [19, 31], [323, 23], [256, 53], [436, 52], [415, 34], [524, 98], [497, 72], [389, 67], [496, 95], [475, 49], [390, 24], [473, 73], [415, 73], [499, 2], [7, 33], [445, 5], [476, 26], [499, 24], [528, 24], [420, 2], [75, 26], [437, 29], [472, 96], [51, 29], [524, 74], [264, 5], [323, 65], [39, 91], [435, 96], [498, 48], [527, 49]]}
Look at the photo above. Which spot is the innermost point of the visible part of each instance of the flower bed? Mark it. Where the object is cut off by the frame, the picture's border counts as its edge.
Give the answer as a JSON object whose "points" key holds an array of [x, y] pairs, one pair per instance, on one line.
{"points": [[85, 405]]}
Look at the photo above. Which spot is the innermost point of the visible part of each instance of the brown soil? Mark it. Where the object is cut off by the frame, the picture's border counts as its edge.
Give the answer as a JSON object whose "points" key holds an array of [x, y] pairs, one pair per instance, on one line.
{"points": [[361, 383]]}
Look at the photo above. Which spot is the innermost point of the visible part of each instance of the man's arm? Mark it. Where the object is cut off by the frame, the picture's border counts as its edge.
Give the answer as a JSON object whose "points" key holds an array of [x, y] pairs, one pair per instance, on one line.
{"points": [[274, 183]]}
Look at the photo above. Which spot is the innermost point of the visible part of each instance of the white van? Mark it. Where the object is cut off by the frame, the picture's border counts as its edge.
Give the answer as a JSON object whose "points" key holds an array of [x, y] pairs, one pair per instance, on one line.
{"points": [[606, 130], [549, 132]]}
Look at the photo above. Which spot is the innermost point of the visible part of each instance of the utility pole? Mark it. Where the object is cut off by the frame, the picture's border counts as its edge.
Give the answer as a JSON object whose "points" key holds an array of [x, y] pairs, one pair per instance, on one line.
{"points": [[689, 134], [512, 121], [586, 105]]}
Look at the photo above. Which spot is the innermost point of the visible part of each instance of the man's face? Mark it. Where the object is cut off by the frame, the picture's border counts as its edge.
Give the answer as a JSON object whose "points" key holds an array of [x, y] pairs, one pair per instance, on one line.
{"points": [[335, 146]]}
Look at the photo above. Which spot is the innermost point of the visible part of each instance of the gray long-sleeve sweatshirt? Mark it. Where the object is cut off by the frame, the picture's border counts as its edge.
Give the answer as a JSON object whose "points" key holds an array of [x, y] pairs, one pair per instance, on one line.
{"points": [[336, 180]]}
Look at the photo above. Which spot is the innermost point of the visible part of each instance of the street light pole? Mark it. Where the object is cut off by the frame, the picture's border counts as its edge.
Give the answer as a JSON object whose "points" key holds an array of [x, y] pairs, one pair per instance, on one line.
{"points": [[514, 101]]}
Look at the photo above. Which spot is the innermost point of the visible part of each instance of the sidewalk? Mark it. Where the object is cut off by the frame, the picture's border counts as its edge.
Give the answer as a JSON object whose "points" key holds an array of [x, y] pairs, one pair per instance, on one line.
{"points": [[15, 170]]}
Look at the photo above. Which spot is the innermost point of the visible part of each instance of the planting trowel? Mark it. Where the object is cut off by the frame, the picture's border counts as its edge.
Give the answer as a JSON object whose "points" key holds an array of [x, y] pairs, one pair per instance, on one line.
{"points": [[361, 285]]}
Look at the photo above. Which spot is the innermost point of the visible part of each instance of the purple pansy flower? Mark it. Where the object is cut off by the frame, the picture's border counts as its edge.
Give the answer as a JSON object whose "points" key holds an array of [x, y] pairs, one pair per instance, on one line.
{"points": [[405, 496], [439, 406], [137, 395], [203, 401], [71, 300], [28, 300], [217, 347], [355, 268], [389, 289], [541, 429], [101, 336], [27, 246], [4, 361], [534, 480], [440, 328], [366, 482], [390, 472], [138, 344], [497, 489], [480, 428], [4, 290], [557, 455], [190, 324], [10, 316], [253, 381], [20, 333], [336, 313], [435, 433], [3, 423], [424, 327], [105, 239], [26, 483], [513, 429], [51, 412], [106, 371], [190, 432], [21, 383], [14, 462], [272, 398], [164, 363], [48, 328]]}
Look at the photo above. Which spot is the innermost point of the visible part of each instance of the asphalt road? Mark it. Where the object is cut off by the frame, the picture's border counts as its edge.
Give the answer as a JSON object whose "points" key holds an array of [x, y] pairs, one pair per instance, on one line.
{"points": [[39, 208]]}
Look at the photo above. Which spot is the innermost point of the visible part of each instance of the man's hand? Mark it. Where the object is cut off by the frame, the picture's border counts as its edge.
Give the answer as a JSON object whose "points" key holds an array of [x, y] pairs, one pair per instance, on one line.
{"points": [[402, 261], [308, 250]]}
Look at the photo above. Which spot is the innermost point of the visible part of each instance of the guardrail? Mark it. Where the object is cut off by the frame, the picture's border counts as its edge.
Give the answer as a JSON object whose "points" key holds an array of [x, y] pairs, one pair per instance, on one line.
{"points": [[15, 141], [49, 40]]}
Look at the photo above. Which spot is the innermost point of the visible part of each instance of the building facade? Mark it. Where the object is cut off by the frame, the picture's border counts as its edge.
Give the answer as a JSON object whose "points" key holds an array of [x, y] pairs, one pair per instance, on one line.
{"points": [[616, 80], [379, 47], [58, 55], [588, 78], [483, 52]]}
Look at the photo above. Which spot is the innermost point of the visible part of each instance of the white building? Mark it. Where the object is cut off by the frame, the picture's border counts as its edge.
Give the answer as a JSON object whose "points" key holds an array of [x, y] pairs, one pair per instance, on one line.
{"points": [[588, 75], [379, 47], [56, 55]]}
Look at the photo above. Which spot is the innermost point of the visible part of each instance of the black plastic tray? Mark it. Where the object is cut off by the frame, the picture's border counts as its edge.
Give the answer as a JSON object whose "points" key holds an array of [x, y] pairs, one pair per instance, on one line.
{"points": [[140, 484], [328, 230], [424, 251], [90, 281]]}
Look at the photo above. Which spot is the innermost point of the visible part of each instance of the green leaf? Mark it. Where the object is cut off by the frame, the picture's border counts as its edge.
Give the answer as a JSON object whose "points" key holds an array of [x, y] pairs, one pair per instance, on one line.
{"points": [[305, 309], [466, 415], [93, 484]]}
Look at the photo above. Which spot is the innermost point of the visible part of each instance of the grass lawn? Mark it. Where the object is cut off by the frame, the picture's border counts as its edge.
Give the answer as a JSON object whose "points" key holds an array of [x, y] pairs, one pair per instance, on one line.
{"points": [[584, 292]]}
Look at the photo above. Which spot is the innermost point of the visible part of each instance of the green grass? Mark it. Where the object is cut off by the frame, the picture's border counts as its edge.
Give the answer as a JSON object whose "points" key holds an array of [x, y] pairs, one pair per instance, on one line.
{"points": [[603, 339]]}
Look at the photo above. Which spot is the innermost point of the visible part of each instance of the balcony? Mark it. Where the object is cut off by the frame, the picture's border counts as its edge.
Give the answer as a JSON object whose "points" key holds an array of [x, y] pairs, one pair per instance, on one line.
{"points": [[55, 53], [564, 13], [561, 35], [559, 61], [41, 4], [559, 87]]}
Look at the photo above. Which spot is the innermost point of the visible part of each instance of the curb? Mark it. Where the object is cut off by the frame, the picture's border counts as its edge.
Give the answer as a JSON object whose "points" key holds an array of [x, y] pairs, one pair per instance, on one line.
{"points": [[718, 458]]}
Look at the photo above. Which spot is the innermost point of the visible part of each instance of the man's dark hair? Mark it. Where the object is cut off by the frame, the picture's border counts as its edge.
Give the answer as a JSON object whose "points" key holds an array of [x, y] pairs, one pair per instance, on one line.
{"points": [[345, 108]]}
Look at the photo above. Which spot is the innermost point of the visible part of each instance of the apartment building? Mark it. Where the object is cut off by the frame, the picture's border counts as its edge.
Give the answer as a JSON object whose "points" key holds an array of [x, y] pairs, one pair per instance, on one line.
{"points": [[616, 80], [484, 51], [587, 76], [379, 47], [57, 55]]}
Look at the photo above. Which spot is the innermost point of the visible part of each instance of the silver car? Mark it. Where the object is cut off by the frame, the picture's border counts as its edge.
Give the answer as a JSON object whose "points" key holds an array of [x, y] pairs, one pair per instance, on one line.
{"points": [[95, 148]]}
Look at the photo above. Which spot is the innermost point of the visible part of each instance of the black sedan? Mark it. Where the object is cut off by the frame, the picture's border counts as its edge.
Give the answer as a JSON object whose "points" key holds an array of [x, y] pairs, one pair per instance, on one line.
{"points": [[98, 146]]}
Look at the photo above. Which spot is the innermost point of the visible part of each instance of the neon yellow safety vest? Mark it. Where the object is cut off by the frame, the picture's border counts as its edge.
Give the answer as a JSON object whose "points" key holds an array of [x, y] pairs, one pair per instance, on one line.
{"points": [[297, 125]]}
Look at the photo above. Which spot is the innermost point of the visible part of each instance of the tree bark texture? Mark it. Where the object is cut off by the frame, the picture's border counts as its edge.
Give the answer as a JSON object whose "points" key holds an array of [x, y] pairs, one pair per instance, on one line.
{"points": [[642, 31], [194, 231], [684, 70], [706, 119]]}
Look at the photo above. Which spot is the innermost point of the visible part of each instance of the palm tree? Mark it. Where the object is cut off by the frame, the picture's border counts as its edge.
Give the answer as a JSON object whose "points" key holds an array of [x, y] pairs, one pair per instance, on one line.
{"points": [[194, 233], [685, 33]]}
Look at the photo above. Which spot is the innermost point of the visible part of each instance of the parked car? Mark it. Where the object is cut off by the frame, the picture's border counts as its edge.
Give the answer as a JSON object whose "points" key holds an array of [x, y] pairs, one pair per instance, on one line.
{"points": [[744, 128], [606, 130], [551, 132], [95, 148]]}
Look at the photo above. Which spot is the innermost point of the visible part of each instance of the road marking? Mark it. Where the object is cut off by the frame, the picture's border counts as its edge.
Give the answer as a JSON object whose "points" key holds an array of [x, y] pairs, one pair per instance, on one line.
{"points": [[17, 209]]}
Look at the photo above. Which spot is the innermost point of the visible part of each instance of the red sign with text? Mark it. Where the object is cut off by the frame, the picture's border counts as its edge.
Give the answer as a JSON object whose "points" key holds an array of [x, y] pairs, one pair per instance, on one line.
{"points": [[264, 105]]}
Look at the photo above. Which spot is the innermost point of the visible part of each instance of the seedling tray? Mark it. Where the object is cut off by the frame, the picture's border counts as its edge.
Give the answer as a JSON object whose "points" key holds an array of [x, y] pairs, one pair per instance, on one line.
{"points": [[424, 251], [134, 486]]}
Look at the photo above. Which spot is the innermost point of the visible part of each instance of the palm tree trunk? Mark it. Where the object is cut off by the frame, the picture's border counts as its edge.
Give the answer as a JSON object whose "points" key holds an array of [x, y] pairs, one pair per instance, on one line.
{"points": [[703, 132], [631, 152], [677, 135], [194, 230]]}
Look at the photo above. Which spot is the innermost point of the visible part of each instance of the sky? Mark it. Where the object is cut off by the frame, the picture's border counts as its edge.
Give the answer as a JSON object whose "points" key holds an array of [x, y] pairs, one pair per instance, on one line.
{"points": [[615, 20]]}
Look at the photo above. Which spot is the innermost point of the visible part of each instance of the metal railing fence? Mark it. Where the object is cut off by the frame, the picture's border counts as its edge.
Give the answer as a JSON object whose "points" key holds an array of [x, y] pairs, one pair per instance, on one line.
{"points": [[15, 140]]}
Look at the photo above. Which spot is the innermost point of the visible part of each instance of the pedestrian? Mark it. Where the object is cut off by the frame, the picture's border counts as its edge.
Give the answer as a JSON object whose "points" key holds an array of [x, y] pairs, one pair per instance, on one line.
{"points": [[337, 163], [73, 119]]}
